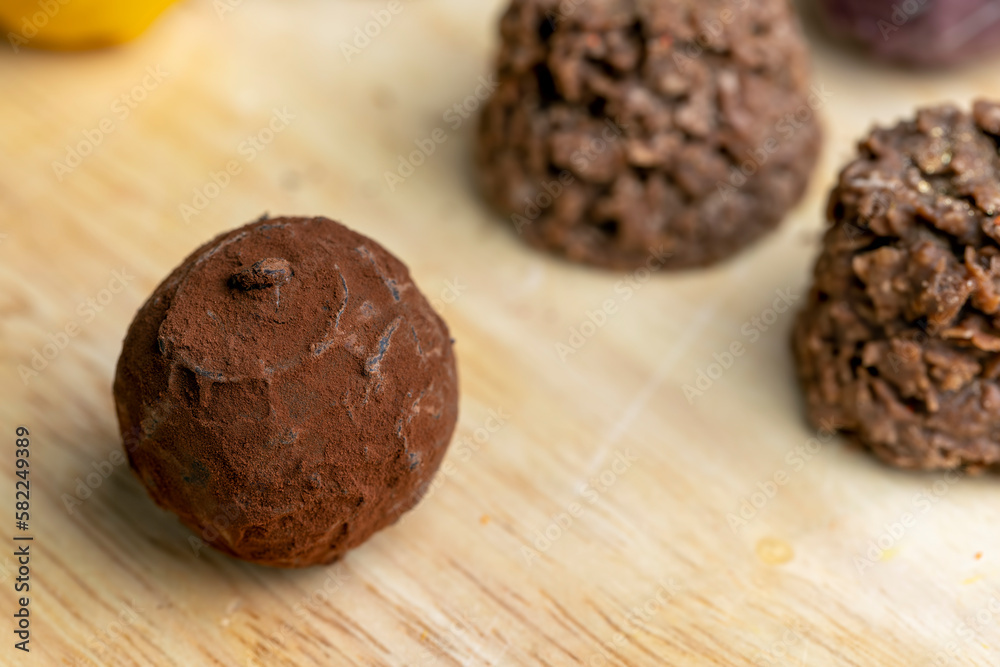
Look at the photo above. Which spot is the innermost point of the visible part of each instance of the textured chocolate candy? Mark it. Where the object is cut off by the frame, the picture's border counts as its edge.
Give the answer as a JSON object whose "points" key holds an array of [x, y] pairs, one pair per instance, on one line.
{"points": [[287, 391], [622, 131], [899, 343]]}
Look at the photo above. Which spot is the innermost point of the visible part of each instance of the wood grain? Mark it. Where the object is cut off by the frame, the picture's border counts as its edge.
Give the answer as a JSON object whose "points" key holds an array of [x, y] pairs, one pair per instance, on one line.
{"points": [[591, 527]]}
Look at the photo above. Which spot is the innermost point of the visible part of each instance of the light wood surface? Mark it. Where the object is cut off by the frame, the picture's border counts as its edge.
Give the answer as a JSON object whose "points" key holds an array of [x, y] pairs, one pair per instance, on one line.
{"points": [[469, 577]]}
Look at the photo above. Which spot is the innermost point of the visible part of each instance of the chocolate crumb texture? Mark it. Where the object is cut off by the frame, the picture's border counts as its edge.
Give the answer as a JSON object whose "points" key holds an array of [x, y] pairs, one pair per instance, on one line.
{"points": [[621, 129], [287, 391], [899, 343]]}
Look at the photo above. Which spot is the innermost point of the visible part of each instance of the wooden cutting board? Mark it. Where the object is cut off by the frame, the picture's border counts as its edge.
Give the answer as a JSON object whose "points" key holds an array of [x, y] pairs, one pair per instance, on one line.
{"points": [[585, 514]]}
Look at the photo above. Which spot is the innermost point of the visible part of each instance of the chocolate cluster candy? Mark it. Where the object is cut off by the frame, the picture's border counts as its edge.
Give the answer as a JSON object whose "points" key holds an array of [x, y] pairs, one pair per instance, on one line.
{"points": [[623, 128], [899, 343], [922, 33], [287, 391]]}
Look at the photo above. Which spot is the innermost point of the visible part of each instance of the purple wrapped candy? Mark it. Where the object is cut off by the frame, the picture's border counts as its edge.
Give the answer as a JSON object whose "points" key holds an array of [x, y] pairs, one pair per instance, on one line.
{"points": [[919, 32]]}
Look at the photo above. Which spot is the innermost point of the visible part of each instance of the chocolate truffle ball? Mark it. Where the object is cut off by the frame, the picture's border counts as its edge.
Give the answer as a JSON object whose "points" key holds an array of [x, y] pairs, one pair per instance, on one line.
{"points": [[287, 391], [624, 130], [922, 33], [899, 343]]}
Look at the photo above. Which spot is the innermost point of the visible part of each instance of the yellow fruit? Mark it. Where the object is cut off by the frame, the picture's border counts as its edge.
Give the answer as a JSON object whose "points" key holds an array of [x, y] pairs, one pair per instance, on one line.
{"points": [[76, 24]]}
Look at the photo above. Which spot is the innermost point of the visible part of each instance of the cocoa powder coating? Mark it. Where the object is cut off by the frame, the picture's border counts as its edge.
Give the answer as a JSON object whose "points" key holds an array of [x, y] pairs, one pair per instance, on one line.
{"points": [[624, 129], [289, 389], [899, 344]]}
